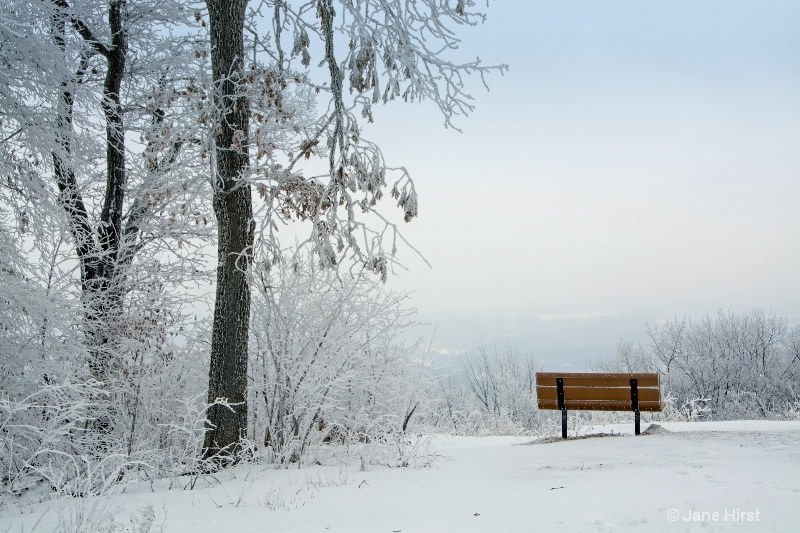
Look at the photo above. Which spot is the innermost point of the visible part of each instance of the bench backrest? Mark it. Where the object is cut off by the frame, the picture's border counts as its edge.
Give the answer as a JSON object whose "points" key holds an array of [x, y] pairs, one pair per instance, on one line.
{"points": [[598, 391]]}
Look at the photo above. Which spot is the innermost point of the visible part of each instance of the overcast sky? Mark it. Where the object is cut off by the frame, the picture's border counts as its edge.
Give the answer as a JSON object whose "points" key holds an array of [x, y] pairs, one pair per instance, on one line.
{"points": [[640, 160]]}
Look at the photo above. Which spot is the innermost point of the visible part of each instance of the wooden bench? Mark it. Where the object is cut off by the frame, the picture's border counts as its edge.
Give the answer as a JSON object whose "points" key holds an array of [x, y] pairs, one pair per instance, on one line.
{"points": [[598, 392]]}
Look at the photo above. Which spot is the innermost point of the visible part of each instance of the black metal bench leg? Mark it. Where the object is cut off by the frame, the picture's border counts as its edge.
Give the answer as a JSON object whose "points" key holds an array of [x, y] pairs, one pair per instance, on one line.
{"points": [[562, 404], [635, 403]]}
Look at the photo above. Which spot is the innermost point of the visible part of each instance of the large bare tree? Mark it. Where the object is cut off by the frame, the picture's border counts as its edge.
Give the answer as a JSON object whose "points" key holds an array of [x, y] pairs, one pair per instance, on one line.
{"points": [[367, 52]]}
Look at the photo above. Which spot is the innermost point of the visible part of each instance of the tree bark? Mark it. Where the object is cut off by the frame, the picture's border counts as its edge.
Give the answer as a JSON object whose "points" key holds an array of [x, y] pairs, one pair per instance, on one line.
{"points": [[227, 379], [110, 228]]}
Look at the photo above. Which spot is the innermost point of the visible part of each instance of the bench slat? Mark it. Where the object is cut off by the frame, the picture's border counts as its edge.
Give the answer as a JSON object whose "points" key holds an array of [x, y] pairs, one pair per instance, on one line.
{"points": [[599, 393], [548, 379], [594, 405]]}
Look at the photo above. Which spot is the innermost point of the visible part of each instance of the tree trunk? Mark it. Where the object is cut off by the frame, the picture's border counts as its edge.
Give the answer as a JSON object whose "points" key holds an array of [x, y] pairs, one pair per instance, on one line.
{"points": [[98, 258], [106, 296], [227, 378]]}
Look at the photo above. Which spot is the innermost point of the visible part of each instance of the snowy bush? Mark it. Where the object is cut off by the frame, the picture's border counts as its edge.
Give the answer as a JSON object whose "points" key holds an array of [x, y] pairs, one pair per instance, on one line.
{"points": [[59, 425], [689, 410], [731, 366], [490, 394], [82, 439], [327, 364]]}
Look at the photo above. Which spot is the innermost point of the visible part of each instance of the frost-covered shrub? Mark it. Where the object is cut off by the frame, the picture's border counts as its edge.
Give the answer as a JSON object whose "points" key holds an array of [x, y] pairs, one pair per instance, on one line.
{"points": [[62, 427], [328, 365], [83, 438], [503, 386], [689, 410], [47, 437], [490, 394], [792, 411]]}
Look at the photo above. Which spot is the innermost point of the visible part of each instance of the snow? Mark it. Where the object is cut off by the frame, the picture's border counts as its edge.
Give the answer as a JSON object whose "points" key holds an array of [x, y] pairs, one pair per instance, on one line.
{"points": [[712, 476]]}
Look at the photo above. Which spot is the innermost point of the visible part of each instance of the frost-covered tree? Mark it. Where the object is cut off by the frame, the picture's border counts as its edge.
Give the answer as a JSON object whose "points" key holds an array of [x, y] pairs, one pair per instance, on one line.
{"points": [[744, 365], [104, 123], [98, 108], [628, 357], [351, 56], [234, 214], [740, 365]]}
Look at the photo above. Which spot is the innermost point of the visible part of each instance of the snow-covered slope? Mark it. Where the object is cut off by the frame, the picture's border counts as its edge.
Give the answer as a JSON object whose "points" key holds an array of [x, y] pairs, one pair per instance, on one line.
{"points": [[713, 476]]}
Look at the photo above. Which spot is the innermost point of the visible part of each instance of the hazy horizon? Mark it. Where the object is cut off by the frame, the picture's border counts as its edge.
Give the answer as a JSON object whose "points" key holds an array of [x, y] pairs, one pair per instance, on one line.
{"points": [[558, 342]]}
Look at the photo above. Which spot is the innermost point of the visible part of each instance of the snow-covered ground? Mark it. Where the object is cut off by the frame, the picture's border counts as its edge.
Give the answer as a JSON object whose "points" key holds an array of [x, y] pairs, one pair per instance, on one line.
{"points": [[711, 476]]}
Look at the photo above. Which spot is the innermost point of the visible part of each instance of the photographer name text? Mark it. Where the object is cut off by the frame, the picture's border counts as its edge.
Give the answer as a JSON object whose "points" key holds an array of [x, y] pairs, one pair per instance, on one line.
{"points": [[727, 515]]}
